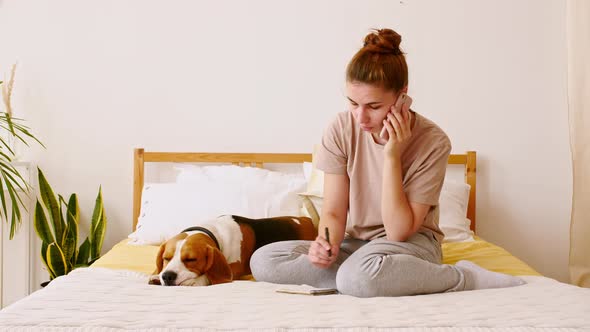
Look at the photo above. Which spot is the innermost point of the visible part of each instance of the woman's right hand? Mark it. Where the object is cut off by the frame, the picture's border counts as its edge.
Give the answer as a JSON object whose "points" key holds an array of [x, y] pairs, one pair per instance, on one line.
{"points": [[321, 253]]}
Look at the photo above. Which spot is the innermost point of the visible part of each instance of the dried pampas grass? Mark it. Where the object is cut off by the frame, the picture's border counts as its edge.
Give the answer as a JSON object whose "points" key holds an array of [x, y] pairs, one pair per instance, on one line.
{"points": [[7, 90]]}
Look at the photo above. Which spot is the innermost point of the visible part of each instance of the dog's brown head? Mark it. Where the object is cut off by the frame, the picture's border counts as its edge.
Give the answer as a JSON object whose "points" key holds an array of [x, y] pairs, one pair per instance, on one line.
{"points": [[190, 260]]}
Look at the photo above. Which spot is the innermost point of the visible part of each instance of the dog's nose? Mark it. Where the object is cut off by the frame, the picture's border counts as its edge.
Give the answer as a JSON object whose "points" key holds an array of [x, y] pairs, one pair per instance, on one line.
{"points": [[169, 278]]}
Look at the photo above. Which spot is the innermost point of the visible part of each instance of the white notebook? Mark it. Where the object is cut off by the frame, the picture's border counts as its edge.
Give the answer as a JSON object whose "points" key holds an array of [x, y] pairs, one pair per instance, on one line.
{"points": [[306, 290]]}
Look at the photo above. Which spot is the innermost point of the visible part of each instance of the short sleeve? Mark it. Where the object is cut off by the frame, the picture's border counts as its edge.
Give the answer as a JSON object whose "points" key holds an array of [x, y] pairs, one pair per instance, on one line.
{"points": [[331, 154], [425, 184]]}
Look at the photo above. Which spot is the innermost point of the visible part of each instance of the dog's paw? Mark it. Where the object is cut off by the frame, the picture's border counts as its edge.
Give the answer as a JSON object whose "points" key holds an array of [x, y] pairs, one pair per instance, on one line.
{"points": [[155, 280]]}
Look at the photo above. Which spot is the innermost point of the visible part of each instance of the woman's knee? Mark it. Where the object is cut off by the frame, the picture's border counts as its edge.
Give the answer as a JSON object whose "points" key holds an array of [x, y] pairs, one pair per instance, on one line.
{"points": [[367, 278], [354, 281], [261, 262], [265, 261]]}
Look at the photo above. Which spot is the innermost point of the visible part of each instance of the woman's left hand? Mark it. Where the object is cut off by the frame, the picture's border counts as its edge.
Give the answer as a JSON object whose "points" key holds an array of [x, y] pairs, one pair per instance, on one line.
{"points": [[398, 125]]}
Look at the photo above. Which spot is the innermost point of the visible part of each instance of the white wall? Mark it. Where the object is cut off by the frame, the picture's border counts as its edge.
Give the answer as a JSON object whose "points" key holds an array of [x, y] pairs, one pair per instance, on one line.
{"points": [[98, 78]]}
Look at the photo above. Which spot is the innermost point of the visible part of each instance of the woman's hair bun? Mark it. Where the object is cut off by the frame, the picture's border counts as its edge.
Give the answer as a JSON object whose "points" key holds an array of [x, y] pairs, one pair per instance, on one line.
{"points": [[383, 41]]}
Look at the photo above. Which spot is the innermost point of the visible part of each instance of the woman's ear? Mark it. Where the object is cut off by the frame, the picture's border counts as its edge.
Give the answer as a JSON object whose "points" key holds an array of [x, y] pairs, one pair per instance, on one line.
{"points": [[217, 269]]}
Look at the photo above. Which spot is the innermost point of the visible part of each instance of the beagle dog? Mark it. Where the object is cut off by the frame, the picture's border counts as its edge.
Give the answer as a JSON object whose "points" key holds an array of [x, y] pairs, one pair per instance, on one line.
{"points": [[219, 250]]}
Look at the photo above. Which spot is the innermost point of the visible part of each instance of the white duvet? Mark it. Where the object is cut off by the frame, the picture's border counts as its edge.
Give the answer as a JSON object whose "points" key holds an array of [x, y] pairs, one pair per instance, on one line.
{"points": [[97, 299]]}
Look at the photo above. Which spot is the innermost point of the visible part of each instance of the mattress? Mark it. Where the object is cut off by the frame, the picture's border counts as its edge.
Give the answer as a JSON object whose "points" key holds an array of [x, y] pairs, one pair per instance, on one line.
{"points": [[100, 299]]}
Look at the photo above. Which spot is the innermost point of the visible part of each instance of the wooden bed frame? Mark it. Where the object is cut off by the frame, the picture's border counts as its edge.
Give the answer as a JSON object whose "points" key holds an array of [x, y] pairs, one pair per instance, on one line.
{"points": [[259, 159]]}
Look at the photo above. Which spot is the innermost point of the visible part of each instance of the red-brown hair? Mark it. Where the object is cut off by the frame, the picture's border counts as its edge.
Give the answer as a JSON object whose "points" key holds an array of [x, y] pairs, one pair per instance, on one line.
{"points": [[380, 62]]}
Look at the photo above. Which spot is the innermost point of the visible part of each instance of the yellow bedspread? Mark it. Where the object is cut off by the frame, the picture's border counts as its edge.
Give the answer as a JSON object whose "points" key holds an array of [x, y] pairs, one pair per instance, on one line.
{"points": [[481, 252], [486, 255]]}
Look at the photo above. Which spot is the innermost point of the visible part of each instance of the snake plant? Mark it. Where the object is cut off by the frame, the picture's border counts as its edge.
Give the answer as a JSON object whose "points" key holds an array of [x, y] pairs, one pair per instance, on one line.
{"points": [[59, 251]]}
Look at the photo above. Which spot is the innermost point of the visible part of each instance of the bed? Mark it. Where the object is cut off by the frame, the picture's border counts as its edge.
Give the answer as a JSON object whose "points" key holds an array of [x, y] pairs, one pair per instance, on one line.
{"points": [[113, 294]]}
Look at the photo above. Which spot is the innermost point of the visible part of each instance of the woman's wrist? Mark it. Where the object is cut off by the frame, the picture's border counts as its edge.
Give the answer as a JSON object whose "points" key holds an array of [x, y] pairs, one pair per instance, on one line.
{"points": [[393, 156]]}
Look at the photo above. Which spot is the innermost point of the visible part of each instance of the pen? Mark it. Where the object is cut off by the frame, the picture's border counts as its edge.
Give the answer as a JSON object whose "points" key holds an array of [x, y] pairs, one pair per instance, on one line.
{"points": [[328, 239]]}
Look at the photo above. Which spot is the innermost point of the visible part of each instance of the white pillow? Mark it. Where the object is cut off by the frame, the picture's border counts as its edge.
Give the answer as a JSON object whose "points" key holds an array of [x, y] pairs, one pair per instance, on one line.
{"points": [[453, 201], [307, 169], [204, 192], [313, 196]]}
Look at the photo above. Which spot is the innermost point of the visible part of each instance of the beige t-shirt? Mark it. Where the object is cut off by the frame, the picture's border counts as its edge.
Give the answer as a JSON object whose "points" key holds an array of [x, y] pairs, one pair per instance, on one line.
{"points": [[347, 149]]}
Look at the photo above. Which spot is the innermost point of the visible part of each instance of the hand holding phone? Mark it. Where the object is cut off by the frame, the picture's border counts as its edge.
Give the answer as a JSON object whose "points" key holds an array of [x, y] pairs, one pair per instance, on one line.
{"points": [[402, 104]]}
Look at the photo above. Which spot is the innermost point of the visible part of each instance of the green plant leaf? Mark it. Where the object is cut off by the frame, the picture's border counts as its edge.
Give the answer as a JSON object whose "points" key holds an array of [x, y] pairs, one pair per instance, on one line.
{"points": [[44, 246], [73, 217], [70, 241], [56, 260], [28, 134], [4, 212], [83, 253], [61, 239], [74, 207], [98, 227], [6, 144], [9, 183], [9, 122], [10, 169], [4, 155], [15, 216], [92, 261], [14, 225], [20, 128], [51, 205], [42, 226], [99, 235]]}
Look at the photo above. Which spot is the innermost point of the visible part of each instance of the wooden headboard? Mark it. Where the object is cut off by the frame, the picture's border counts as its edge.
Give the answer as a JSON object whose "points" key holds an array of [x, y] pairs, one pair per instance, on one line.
{"points": [[258, 160]]}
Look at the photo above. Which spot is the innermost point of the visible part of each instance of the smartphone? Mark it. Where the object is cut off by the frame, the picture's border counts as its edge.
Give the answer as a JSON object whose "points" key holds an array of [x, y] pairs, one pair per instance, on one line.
{"points": [[401, 100]]}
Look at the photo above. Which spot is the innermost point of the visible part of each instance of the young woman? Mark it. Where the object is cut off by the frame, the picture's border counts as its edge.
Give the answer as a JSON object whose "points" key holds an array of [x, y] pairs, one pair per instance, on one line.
{"points": [[384, 167]]}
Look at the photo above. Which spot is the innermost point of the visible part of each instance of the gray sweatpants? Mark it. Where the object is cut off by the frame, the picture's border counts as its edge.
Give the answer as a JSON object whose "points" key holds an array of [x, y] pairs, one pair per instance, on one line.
{"points": [[364, 268]]}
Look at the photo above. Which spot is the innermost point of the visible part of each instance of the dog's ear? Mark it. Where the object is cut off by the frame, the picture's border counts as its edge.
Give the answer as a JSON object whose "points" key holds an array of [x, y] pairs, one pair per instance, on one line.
{"points": [[217, 269], [155, 277], [160, 259]]}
